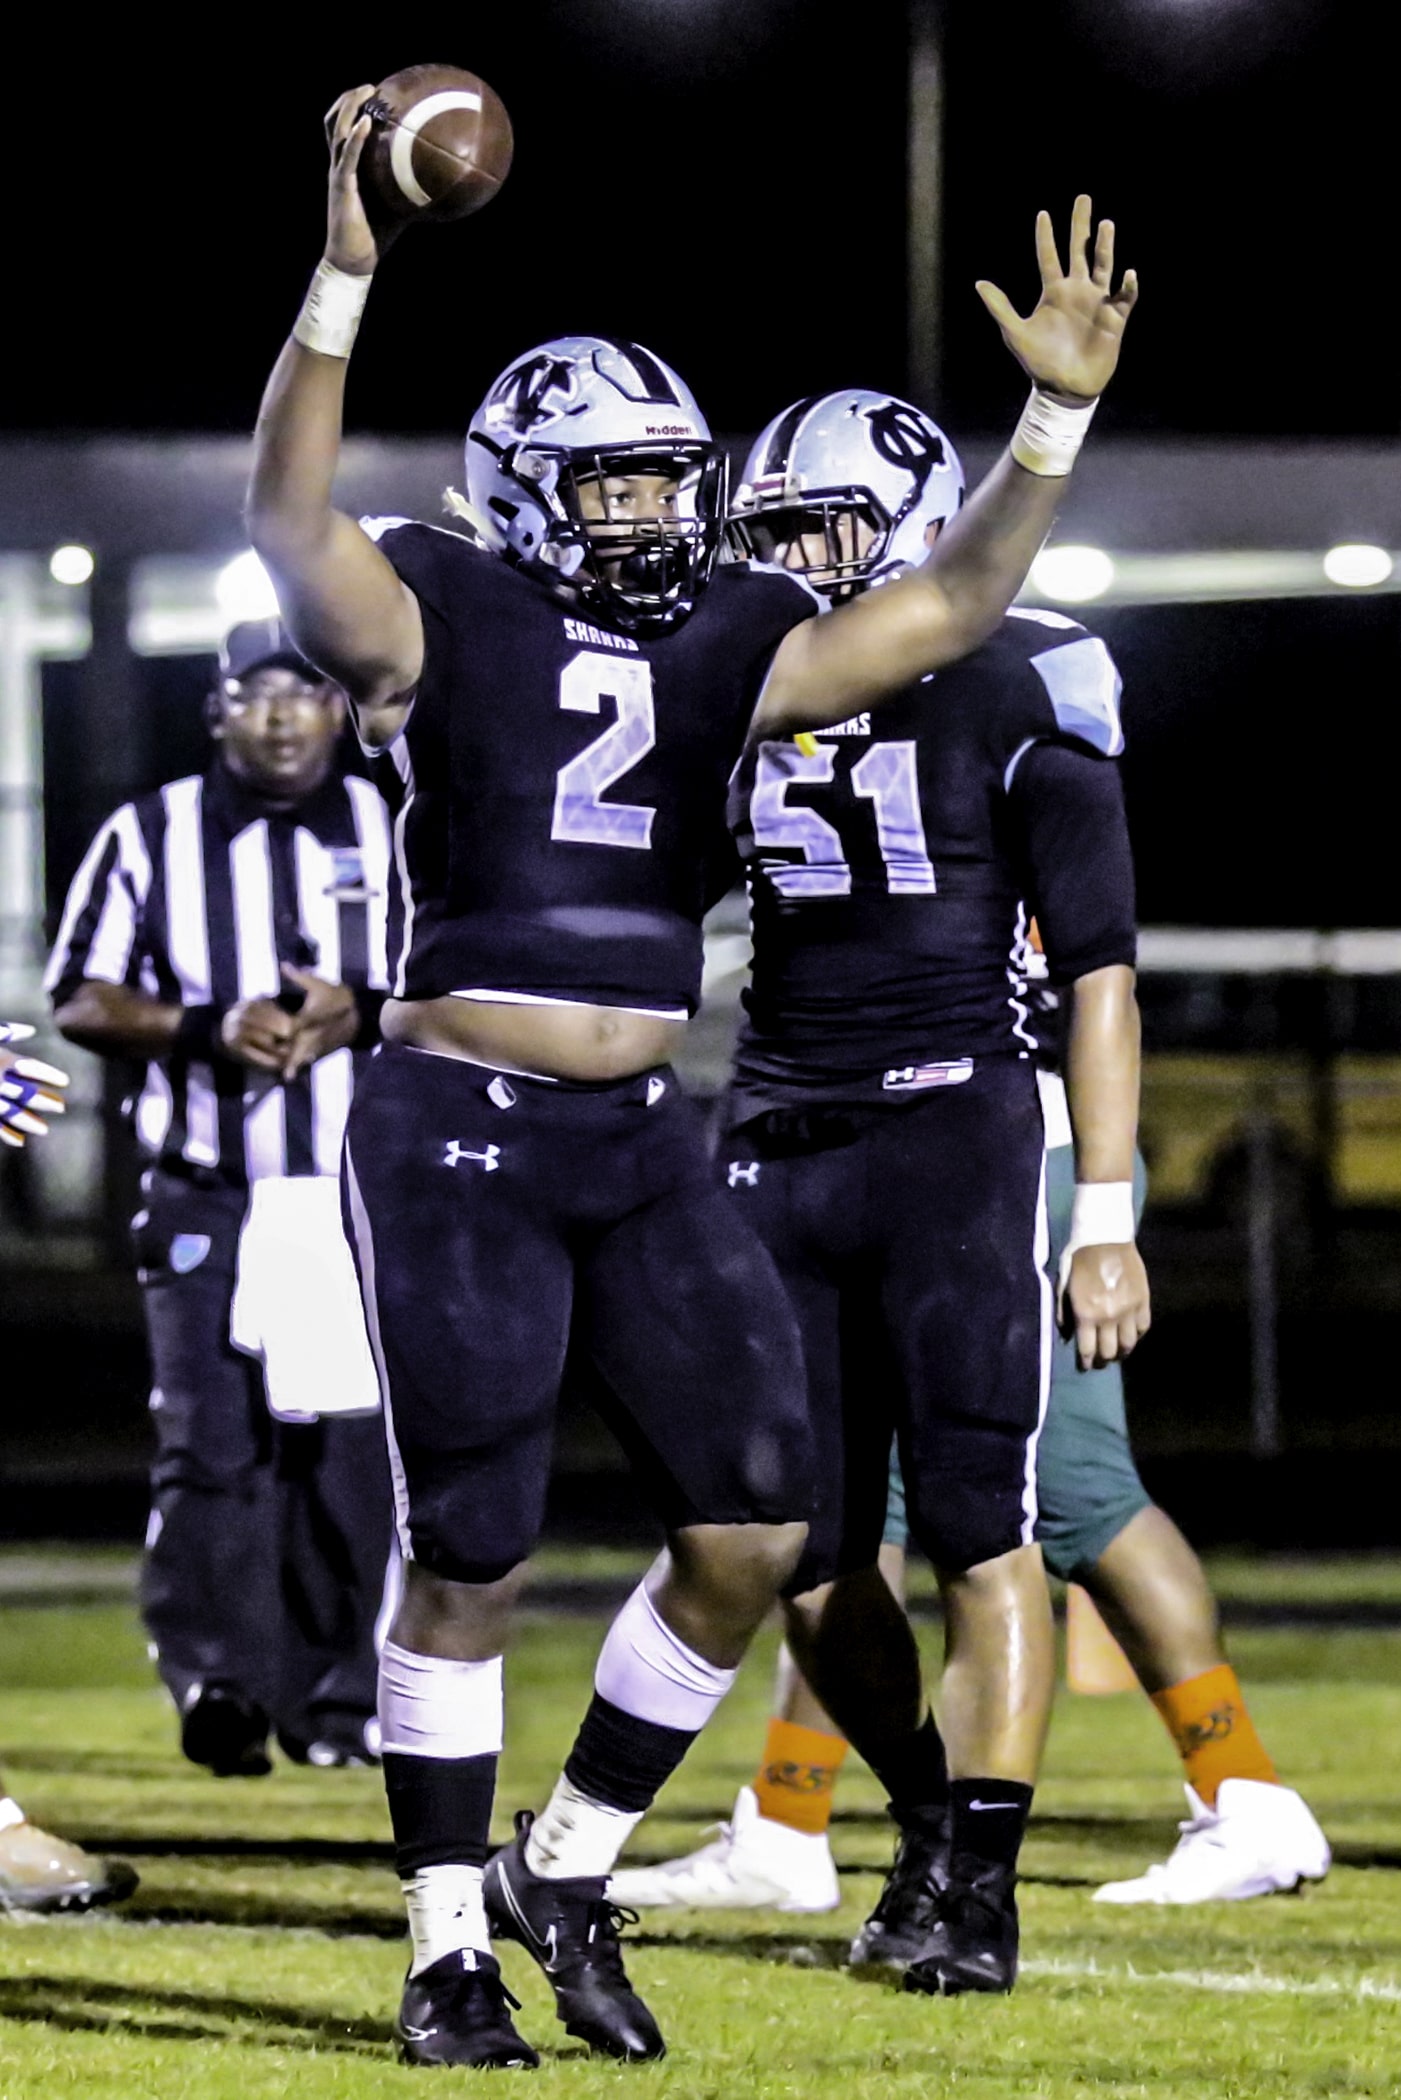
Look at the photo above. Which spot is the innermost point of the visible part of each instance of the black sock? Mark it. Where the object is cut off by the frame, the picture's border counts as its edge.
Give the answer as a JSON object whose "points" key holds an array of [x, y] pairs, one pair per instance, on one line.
{"points": [[989, 1818], [440, 1808], [621, 1761], [912, 1769]]}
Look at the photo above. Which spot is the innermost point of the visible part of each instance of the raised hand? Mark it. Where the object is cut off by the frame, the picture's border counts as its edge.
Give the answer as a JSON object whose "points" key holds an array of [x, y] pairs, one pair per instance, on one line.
{"points": [[29, 1089], [1069, 344], [352, 244]]}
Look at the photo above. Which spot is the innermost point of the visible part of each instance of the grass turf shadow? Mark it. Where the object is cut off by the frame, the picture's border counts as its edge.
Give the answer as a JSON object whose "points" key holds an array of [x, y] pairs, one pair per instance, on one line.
{"points": [[790, 1950], [325, 1852], [81, 2005]]}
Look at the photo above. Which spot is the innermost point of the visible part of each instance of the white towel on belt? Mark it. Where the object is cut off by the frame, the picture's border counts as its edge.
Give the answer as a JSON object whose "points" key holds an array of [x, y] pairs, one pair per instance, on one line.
{"points": [[296, 1301]]}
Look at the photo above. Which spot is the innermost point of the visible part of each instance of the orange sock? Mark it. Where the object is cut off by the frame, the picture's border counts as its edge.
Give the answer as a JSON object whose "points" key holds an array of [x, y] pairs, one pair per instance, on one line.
{"points": [[1214, 1734], [796, 1779]]}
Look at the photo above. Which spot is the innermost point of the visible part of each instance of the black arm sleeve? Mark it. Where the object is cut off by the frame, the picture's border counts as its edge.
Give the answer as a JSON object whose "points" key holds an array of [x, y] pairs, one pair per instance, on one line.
{"points": [[1068, 809]]}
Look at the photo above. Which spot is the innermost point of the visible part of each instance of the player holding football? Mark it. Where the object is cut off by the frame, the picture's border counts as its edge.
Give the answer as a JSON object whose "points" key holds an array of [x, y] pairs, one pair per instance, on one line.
{"points": [[521, 1163]]}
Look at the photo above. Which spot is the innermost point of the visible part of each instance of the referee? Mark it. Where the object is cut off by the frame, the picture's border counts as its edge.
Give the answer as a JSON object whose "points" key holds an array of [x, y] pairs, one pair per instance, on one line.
{"points": [[230, 929]]}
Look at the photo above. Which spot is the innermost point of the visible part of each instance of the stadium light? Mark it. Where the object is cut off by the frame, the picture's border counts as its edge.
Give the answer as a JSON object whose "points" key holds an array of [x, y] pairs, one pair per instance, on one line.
{"points": [[1355, 566], [244, 590], [1072, 575], [71, 565]]}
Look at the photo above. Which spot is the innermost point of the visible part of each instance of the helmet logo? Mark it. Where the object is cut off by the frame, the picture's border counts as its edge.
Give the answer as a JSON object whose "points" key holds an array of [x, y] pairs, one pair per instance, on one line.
{"points": [[904, 439], [533, 392]]}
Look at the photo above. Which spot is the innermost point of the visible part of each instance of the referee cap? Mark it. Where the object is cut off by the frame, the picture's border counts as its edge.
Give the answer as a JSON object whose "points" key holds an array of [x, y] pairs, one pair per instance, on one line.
{"points": [[254, 644]]}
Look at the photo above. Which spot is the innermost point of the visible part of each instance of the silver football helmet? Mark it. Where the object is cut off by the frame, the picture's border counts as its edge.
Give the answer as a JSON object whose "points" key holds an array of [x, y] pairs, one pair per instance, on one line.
{"points": [[555, 429], [858, 477]]}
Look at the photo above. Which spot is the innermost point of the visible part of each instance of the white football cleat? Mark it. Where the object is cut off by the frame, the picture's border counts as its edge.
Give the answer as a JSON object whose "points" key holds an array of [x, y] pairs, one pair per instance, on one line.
{"points": [[1258, 1840], [40, 1872], [754, 1864]]}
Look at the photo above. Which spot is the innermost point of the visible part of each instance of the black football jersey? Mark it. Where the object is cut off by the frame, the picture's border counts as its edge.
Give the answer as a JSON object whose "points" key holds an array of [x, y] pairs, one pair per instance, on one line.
{"points": [[895, 861], [565, 782]]}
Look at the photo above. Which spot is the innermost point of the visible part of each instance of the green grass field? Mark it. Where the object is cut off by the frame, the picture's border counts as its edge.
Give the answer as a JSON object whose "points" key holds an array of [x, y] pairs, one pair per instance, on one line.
{"points": [[263, 1953]]}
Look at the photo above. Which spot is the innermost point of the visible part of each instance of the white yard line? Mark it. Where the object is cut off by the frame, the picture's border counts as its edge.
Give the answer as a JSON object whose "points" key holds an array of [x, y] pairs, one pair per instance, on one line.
{"points": [[1251, 1983]]}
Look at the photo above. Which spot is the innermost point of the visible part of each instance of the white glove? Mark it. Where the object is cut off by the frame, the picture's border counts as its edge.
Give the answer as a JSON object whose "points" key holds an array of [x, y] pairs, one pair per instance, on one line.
{"points": [[26, 1089]]}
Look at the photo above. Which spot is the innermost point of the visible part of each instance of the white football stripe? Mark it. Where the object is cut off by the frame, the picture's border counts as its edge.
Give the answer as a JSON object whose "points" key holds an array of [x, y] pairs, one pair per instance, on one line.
{"points": [[1250, 1983], [407, 130]]}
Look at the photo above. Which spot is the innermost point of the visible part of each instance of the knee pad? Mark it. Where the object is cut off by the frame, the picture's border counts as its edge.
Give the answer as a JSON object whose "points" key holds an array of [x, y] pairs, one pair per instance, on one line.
{"points": [[432, 1707], [646, 1670], [972, 1499]]}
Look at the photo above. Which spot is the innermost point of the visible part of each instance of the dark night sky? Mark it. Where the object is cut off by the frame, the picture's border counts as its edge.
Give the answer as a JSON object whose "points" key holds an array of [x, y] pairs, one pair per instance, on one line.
{"points": [[725, 180]]}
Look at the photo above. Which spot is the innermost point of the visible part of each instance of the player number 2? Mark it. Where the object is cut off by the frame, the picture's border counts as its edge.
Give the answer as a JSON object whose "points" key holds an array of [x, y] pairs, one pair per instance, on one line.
{"points": [[581, 815], [885, 776]]}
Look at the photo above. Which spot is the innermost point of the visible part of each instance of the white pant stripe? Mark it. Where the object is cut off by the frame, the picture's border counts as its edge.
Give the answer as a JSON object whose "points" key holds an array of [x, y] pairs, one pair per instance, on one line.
{"points": [[1041, 1255], [365, 1248]]}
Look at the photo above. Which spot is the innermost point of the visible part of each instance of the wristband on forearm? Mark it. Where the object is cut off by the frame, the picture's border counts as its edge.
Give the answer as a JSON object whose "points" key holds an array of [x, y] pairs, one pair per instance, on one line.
{"points": [[197, 1037], [1101, 1215], [369, 1004], [331, 310], [1050, 434]]}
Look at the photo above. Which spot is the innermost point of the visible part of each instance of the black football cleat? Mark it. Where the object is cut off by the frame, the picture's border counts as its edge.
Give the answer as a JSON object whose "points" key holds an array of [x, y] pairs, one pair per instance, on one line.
{"points": [[571, 1929], [458, 2011], [902, 1927], [976, 1943], [221, 1730]]}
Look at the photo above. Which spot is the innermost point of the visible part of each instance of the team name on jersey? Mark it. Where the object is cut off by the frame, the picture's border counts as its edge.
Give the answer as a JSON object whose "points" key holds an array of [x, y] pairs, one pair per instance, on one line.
{"points": [[598, 637], [854, 725]]}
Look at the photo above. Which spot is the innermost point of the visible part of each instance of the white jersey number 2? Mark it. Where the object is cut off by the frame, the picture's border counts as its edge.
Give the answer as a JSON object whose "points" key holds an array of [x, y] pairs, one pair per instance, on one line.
{"points": [[581, 815], [886, 776]]}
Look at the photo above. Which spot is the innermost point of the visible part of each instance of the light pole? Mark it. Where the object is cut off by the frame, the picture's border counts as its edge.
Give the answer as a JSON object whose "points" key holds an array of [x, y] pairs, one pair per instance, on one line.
{"points": [[925, 205]]}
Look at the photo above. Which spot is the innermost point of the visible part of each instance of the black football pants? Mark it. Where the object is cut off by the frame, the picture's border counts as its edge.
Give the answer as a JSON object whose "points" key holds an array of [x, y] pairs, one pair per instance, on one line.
{"points": [[912, 1243], [498, 1219], [268, 1541]]}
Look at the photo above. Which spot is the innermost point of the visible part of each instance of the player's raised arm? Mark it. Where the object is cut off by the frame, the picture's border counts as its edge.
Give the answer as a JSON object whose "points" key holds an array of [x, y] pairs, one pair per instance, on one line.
{"points": [[1069, 346], [340, 598]]}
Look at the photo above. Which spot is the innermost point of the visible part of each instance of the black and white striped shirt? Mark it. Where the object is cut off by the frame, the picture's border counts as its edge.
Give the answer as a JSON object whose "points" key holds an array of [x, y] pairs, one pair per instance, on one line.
{"points": [[196, 894]]}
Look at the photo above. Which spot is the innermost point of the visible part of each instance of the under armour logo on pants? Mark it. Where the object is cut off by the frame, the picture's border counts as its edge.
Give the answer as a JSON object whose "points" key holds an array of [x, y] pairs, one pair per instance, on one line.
{"points": [[487, 1160], [744, 1170]]}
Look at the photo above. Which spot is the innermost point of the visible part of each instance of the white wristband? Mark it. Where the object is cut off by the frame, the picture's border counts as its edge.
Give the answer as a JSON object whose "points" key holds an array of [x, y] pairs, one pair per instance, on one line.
{"points": [[331, 310], [1101, 1215], [1050, 434]]}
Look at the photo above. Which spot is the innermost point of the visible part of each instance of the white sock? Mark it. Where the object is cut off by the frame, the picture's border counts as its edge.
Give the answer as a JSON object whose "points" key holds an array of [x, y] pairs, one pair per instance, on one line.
{"points": [[10, 1813], [430, 1707], [576, 1837], [445, 1914]]}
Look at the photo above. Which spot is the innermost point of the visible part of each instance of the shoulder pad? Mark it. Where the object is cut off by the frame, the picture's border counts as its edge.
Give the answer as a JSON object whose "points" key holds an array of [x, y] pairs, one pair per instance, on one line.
{"points": [[435, 538], [1043, 616], [435, 563], [1083, 682], [376, 528]]}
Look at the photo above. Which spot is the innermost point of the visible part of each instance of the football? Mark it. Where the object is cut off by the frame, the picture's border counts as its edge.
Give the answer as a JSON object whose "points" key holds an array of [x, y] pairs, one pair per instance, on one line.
{"points": [[440, 147]]}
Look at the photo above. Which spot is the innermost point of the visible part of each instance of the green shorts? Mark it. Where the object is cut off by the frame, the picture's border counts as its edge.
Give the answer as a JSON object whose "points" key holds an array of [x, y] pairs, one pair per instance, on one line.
{"points": [[1087, 1485]]}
